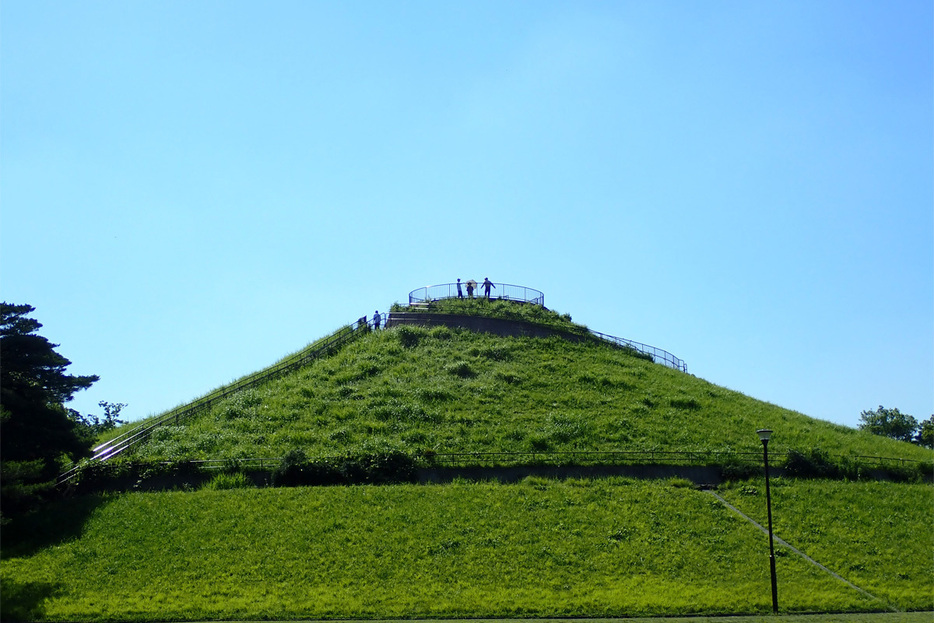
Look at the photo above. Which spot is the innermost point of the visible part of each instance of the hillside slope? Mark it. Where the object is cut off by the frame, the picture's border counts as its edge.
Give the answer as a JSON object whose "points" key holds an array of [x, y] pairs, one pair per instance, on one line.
{"points": [[442, 390], [538, 548]]}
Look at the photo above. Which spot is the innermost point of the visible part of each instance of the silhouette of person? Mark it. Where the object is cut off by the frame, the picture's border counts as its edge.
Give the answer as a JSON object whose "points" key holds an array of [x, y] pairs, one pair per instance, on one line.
{"points": [[471, 284], [487, 284], [376, 319], [460, 294]]}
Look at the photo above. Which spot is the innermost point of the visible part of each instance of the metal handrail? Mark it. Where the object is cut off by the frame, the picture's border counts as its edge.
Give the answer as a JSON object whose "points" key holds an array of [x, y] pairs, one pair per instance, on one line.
{"points": [[131, 438], [500, 291], [658, 355]]}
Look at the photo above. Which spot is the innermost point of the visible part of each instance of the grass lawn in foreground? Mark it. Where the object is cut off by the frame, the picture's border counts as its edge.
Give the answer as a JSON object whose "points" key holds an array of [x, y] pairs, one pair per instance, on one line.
{"points": [[538, 548], [876, 534]]}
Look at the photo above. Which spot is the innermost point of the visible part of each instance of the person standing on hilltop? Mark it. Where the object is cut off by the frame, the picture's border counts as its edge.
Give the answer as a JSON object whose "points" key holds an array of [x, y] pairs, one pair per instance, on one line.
{"points": [[376, 319], [487, 284], [471, 284], [460, 294]]}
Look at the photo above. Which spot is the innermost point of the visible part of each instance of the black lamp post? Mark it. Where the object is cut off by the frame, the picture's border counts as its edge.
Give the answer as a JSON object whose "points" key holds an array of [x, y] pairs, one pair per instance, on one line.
{"points": [[764, 435]]}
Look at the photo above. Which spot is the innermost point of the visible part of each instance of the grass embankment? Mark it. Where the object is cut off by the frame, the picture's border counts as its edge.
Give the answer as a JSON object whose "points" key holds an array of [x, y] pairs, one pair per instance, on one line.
{"points": [[877, 535], [539, 548], [418, 390], [286, 362]]}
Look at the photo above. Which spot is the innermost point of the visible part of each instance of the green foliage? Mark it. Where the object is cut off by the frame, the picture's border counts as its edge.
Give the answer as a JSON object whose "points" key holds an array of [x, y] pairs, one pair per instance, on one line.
{"points": [[291, 469], [633, 352], [732, 468], [222, 549], [284, 366], [889, 423], [33, 372], [224, 481], [461, 369], [229, 480], [24, 485], [380, 467], [96, 426], [37, 432], [926, 433], [816, 463], [538, 548], [129, 474]]}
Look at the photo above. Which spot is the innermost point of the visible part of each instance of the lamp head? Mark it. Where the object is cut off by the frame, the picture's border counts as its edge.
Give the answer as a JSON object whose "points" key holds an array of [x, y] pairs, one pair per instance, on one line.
{"points": [[764, 434]]}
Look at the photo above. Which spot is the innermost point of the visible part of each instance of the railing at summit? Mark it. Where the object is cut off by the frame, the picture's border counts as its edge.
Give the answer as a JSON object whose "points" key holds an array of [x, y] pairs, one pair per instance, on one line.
{"points": [[501, 291], [508, 292]]}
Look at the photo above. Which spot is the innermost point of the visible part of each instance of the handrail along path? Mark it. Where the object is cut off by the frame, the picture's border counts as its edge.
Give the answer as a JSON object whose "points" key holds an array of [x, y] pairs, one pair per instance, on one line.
{"points": [[134, 436]]}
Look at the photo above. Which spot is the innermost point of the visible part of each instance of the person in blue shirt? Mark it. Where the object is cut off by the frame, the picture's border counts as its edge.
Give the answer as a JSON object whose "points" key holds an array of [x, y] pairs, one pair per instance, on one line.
{"points": [[487, 284]]}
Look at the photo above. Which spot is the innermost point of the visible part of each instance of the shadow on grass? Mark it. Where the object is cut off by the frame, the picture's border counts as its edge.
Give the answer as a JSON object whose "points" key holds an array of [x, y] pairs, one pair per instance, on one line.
{"points": [[25, 601], [52, 524]]}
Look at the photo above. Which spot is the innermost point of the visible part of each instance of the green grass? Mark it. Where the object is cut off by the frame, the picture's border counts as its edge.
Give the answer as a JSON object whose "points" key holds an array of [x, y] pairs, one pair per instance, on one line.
{"points": [[508, 310], [245, 379], [877, 535], [418, 390], [540, 548]]}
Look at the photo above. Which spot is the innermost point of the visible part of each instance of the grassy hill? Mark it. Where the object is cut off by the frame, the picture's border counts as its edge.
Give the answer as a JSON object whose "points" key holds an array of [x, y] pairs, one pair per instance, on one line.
{"points": [[538, 548], [417, 390]]}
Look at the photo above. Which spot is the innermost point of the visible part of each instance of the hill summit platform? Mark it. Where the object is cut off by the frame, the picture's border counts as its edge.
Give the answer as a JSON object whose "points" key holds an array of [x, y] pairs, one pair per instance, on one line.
{"points": [[473, 289]]}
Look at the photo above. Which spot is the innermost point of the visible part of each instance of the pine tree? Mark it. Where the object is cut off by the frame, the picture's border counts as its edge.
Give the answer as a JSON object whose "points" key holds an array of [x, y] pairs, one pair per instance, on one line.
{"points": [[35, 425]]}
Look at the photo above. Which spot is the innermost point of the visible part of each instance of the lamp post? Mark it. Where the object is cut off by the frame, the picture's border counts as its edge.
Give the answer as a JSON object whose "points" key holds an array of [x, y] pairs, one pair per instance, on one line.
{"points": [[764, 435]]}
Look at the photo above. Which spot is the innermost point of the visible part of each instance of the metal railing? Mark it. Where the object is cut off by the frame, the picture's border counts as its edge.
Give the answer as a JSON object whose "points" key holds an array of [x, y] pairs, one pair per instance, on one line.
{"points": [[499, 291], [657, 354], [134, 436]]}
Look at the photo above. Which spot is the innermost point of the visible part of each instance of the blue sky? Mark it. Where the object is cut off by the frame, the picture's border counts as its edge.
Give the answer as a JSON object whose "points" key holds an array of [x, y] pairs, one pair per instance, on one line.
{"points": [[191, 190]]}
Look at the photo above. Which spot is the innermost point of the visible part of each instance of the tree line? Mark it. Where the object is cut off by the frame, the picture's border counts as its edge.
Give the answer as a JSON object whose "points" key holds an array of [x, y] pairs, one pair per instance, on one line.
{"points": [[897, 425], [39, 435]]}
